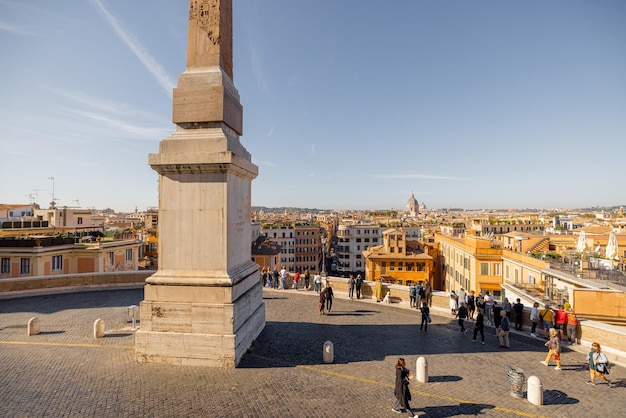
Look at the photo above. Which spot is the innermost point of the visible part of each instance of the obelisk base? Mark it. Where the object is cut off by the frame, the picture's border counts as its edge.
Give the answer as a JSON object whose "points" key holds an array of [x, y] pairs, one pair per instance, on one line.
{"points": [[196, 325]]}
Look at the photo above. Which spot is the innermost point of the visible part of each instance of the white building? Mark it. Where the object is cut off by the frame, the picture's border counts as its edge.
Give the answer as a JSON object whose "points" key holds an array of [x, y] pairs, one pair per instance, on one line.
{"points": [[352, 240]]}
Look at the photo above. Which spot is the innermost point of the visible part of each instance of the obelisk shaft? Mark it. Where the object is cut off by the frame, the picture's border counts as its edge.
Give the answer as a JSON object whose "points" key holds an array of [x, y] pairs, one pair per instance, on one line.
{"points": [[210, 38]]}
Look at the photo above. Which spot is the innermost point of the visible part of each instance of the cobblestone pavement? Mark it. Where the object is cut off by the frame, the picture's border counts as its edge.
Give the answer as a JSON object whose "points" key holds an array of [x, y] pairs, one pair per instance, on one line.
{"points": [[65, 372]]}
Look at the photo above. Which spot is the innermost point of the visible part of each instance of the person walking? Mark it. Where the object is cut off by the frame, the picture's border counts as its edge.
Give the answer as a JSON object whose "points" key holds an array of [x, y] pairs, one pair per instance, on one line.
{"points": [[518, 314], [479, 326], [488, 301], [462, 315], [534, 319], [505, 327], [598, 364], [425, 316], [401, 391], [329, 296], [351, 283], [554, 349], [322, 301], [358, 282]]}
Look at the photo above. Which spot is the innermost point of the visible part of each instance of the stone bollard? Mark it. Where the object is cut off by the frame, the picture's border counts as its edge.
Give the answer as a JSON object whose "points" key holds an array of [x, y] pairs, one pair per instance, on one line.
{"points": [[421, 370], [98, 328], [132, 312], [535, 391], [329, 352], [33, 326]]}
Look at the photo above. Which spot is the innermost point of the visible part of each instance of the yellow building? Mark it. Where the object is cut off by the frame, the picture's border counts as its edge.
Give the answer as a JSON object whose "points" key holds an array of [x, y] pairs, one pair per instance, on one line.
{"points": [[397, 260], [472, 263]]}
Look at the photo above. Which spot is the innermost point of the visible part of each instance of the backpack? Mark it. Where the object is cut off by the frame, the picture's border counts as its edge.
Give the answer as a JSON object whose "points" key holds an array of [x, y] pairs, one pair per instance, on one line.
{"points": [[412, 291], [421, 291]]}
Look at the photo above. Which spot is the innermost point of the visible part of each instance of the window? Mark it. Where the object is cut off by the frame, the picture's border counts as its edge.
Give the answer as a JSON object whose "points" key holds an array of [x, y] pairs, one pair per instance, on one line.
{"points": [[24, 265], [111, 258], [392, 250], [399, 250], [506, 270], [129, 254], [79, 220], [6, 265], [516, 275], [484, 269], [392, 265], [497, 269], [531, 279], [57, 262]]}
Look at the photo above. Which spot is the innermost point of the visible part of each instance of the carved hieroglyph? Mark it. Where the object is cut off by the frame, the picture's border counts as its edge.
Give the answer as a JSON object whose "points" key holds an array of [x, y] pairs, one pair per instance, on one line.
{"points": [[210, 34]]}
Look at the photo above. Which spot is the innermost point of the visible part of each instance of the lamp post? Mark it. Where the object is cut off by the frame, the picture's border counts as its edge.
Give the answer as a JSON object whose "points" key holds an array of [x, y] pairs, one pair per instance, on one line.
{"points": [[323, 255]]}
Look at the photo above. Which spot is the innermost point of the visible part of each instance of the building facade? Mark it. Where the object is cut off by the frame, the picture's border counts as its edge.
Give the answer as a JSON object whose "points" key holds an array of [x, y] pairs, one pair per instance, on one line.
{"points": [[352, 240]]}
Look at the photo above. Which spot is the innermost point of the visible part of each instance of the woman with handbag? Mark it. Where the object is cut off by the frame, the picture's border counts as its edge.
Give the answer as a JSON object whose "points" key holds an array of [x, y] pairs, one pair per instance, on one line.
{"points": [[401, 391], [598, 364], [554, 349]]}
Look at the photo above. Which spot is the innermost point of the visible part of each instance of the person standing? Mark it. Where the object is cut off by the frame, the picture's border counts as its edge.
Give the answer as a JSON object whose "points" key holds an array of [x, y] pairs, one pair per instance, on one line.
{"points": [[505, 327], [461, 297], [560, 321], [412, 295], [317, 283], [322, 301], [401, 391], [296, 279], [572, 326], [453, 302], [428, 293], [378, 290], [480, 304], [507, 308], [283, 278], [518, 314], [488, 307], [471, 305], [419, 294], [329, 296], [598, 364], [275, 276], [554, 349], [497, 318], [307, 279], [534, 318], [425, 316], [358, 282], [479, 327], [351, 283], [547, 317]]}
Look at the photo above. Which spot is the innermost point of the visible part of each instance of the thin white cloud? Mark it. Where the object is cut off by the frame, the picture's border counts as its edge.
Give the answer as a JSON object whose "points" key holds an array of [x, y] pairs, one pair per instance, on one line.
{"points": [[137, 48], [264, 162], [418, 176], [18, 30], [135, 132], [271, 131], [257, 70]]}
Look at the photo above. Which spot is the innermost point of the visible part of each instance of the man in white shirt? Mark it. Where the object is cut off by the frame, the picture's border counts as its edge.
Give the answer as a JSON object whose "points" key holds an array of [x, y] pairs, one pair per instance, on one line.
{"points": [[488, 306]]}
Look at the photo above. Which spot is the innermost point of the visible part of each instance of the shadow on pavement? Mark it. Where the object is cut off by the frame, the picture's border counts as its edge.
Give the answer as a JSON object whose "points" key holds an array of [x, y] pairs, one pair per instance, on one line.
{"points": [[453, 410], [432, 379], [557, 397]]}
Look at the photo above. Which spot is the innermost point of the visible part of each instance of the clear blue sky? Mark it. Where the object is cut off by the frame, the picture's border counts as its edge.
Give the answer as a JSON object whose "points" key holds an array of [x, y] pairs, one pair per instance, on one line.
{"points": [[348, 104]]}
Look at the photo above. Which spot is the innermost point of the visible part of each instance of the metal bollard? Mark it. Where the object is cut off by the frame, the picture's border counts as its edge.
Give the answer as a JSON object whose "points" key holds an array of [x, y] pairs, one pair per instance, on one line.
{"points": [[535, 391], [132, 312], [421, 370], [33, 326], [329, 352], [98, 328], [515, 376]]}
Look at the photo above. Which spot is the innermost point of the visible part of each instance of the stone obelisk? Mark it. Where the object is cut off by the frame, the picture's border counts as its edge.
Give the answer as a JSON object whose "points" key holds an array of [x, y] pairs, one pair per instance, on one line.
{"points": [[204, 305]]}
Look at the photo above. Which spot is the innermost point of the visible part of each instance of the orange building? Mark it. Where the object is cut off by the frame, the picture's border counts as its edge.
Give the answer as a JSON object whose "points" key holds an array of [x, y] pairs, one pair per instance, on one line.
{"points": [[397, 260]]}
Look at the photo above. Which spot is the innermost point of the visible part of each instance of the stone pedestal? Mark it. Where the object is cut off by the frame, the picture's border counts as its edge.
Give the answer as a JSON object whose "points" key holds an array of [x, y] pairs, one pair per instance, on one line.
{"points": [[204, 306]]}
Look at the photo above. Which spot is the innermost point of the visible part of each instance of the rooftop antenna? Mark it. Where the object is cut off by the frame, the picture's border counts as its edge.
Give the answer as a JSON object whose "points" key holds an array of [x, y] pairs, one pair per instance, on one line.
{"points": [[53, 203]]}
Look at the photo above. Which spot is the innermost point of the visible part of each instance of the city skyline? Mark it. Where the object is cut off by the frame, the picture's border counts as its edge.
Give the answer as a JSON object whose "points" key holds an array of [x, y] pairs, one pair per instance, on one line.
{"points": [[346, 104]]}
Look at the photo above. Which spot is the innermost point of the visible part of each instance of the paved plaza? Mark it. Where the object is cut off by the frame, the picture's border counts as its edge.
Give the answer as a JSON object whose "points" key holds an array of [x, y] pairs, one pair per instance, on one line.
{"points": [[65, 372]]}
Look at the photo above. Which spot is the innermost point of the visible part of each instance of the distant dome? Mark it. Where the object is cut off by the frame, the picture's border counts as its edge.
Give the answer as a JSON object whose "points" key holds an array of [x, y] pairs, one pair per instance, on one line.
{"points": [[411, 205]]}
